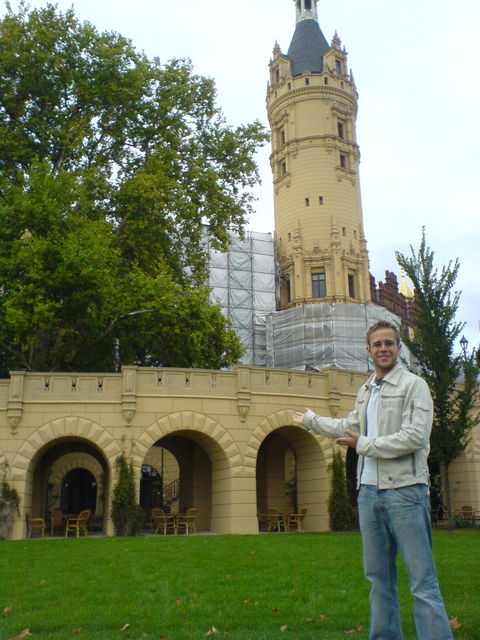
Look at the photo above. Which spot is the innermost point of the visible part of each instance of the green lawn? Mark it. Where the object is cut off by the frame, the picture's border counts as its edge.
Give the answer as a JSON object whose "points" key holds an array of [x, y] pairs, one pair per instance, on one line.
{"points": [[286, 586]]}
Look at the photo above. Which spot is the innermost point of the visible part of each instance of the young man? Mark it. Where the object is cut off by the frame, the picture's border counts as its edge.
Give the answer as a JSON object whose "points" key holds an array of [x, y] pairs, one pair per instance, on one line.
{"points": [[390, 429]]}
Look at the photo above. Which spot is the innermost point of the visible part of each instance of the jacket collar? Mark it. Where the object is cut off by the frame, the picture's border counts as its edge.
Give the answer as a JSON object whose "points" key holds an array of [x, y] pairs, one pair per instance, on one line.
{"points": [[392, 376]]}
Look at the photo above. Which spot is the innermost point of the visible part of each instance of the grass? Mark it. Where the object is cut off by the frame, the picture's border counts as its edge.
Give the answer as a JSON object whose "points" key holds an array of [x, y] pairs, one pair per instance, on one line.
{"points": [[285, 586]]}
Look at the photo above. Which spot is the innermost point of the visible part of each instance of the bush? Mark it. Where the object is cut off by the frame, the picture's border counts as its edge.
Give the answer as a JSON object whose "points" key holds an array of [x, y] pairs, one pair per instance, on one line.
{"points": [[339, 507], [128, 516], [9, 501]]}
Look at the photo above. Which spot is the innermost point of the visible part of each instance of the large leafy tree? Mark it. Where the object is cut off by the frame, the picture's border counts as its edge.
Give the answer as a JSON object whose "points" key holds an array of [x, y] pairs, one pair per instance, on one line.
{"points": [[112, 168], [451, 378]]}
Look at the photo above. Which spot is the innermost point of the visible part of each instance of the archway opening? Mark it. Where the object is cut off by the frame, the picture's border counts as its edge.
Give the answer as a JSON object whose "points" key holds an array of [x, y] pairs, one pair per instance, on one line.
{"points": [[70, 474], [79, 492], [292, 475]]}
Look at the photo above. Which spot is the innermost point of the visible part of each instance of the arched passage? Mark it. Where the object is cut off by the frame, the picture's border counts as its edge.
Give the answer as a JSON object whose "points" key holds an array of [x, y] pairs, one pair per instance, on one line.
{"points": [[207, 459], [266, 456], [52, 452]]}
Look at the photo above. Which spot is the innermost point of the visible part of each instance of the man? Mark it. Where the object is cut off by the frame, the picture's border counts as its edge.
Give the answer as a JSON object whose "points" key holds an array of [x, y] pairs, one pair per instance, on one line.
{"points": [[390, 429]]}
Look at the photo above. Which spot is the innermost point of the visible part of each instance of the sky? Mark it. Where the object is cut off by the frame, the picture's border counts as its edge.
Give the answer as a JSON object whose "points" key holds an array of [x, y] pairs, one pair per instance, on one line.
{"points": [[416, 66]]}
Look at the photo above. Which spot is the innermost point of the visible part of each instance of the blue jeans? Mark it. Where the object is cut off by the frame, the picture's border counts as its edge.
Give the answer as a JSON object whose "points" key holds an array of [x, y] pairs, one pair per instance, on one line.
{"points": [[399, 519]]}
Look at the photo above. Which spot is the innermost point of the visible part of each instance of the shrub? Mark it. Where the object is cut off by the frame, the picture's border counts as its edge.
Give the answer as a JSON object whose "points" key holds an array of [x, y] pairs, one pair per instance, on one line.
{"points": [[339, 507], [9, 501], [127, 515]]}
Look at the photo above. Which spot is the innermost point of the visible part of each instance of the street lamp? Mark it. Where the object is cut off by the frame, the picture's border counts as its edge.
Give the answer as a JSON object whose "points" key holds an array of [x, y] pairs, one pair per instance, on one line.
{"points": [[464, 345]]}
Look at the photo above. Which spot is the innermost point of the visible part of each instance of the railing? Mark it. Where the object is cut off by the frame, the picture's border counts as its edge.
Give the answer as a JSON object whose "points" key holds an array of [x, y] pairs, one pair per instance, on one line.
{"points": [[170, 492]]}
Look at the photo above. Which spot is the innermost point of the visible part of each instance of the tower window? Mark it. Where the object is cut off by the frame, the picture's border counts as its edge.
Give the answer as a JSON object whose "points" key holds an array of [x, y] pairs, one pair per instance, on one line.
{"points": [[351, 285], [277, 75], [307, 81], [344, 231], [343, 161], [338, 65], [319, 285], [320, 200], [308, 5], [282, 136], [325, 80], [307, 202], [289, 85], [283, 167], [340, 129]]}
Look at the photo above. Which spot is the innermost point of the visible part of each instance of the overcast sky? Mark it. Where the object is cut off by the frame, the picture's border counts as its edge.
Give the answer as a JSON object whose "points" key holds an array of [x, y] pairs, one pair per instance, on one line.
{"points": [[416, 65]]}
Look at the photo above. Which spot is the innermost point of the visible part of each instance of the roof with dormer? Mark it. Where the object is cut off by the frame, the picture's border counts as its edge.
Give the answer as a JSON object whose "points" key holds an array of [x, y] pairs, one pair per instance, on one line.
{"points": [[307, 48]]}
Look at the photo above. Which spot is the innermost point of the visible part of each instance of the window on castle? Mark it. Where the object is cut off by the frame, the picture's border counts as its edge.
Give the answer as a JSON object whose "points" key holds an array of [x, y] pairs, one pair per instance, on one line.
{"points": [[307, 81], [283, 167], [343, 161], [319, 285], [282, 136], [277, 75], [308, 5], [307, 202], [289, 85], [340, 128], [338, 65], [325, 80], [320, 200], [351, 285], [344, 231]]}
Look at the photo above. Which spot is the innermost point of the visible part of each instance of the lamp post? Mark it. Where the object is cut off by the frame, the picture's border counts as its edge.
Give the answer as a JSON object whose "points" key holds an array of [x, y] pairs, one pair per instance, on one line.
{"points": [[464, 345]]}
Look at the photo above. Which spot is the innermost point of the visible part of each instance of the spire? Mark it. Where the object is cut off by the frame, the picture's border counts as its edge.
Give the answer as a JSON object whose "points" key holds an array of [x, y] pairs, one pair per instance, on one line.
{"points": [[306, 10], [308, 43]]}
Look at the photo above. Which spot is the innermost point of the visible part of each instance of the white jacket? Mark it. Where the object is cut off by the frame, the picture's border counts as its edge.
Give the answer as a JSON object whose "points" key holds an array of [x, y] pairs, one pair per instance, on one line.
{"points": [[404, 423]]}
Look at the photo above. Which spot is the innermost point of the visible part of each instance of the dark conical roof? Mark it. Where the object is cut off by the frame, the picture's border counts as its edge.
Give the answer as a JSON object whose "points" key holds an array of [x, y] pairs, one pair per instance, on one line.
{"points": [[307, 48]]}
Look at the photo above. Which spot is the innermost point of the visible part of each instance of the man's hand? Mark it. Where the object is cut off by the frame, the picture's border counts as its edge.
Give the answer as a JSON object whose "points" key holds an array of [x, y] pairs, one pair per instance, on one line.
{"points": [[297, 416], [350, 439]]}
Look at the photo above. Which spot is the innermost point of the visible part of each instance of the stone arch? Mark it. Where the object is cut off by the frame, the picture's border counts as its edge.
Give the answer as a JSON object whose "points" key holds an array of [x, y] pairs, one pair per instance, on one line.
{"points": [[312, 454], [269, 424], [72, 461], [190, 421], [73, 427]]}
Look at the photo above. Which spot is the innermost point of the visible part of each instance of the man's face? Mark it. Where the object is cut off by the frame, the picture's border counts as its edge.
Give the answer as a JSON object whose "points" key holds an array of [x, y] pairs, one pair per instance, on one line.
{"points": [[383, 349]]}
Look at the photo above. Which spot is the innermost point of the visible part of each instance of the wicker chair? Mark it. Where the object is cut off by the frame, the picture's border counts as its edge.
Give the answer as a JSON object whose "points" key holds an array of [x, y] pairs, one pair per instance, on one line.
{"points": [[295, 519], [164, 521], [78, 523], [186, 521], [57, 520], [35, 524]]}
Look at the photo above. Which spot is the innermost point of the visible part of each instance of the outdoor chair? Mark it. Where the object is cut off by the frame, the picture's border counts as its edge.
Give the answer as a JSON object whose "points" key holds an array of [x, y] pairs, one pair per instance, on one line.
{"points": [[285, 518], [262, 521], [78, 523], [295, 519], [186, 521], [57, 520], [35, 524], [274, 519], [164, 521]]}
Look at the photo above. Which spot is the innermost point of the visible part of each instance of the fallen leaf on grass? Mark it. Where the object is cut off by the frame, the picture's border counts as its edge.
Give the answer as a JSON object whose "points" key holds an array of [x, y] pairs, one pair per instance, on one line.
{"points": [[43, 581], [284, 627], [310, 620], [7, 611], [211, 632], [24, 634], [454, 624], [125, 627], [321, 617], [356, 630], [274, 610]]}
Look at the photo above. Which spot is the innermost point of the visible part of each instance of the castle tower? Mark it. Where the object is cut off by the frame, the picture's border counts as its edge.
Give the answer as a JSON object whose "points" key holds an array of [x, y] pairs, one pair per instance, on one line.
{"points": [[312, 109]]}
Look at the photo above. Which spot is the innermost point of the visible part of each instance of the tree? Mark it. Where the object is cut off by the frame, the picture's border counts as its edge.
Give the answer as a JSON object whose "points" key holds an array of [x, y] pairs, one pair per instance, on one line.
{"points": [[432, 345], [113, 167], [339, 505], [127, 515]]}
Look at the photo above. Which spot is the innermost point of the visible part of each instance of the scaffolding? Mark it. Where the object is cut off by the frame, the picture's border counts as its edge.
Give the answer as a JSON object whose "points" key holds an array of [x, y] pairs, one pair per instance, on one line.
{"points": [[315, 336], [243, 284]]}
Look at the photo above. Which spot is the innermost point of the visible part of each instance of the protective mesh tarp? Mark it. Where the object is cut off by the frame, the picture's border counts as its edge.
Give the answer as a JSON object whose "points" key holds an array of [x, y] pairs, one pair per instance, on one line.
{"points": [[320, 335], [243, 284]]}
